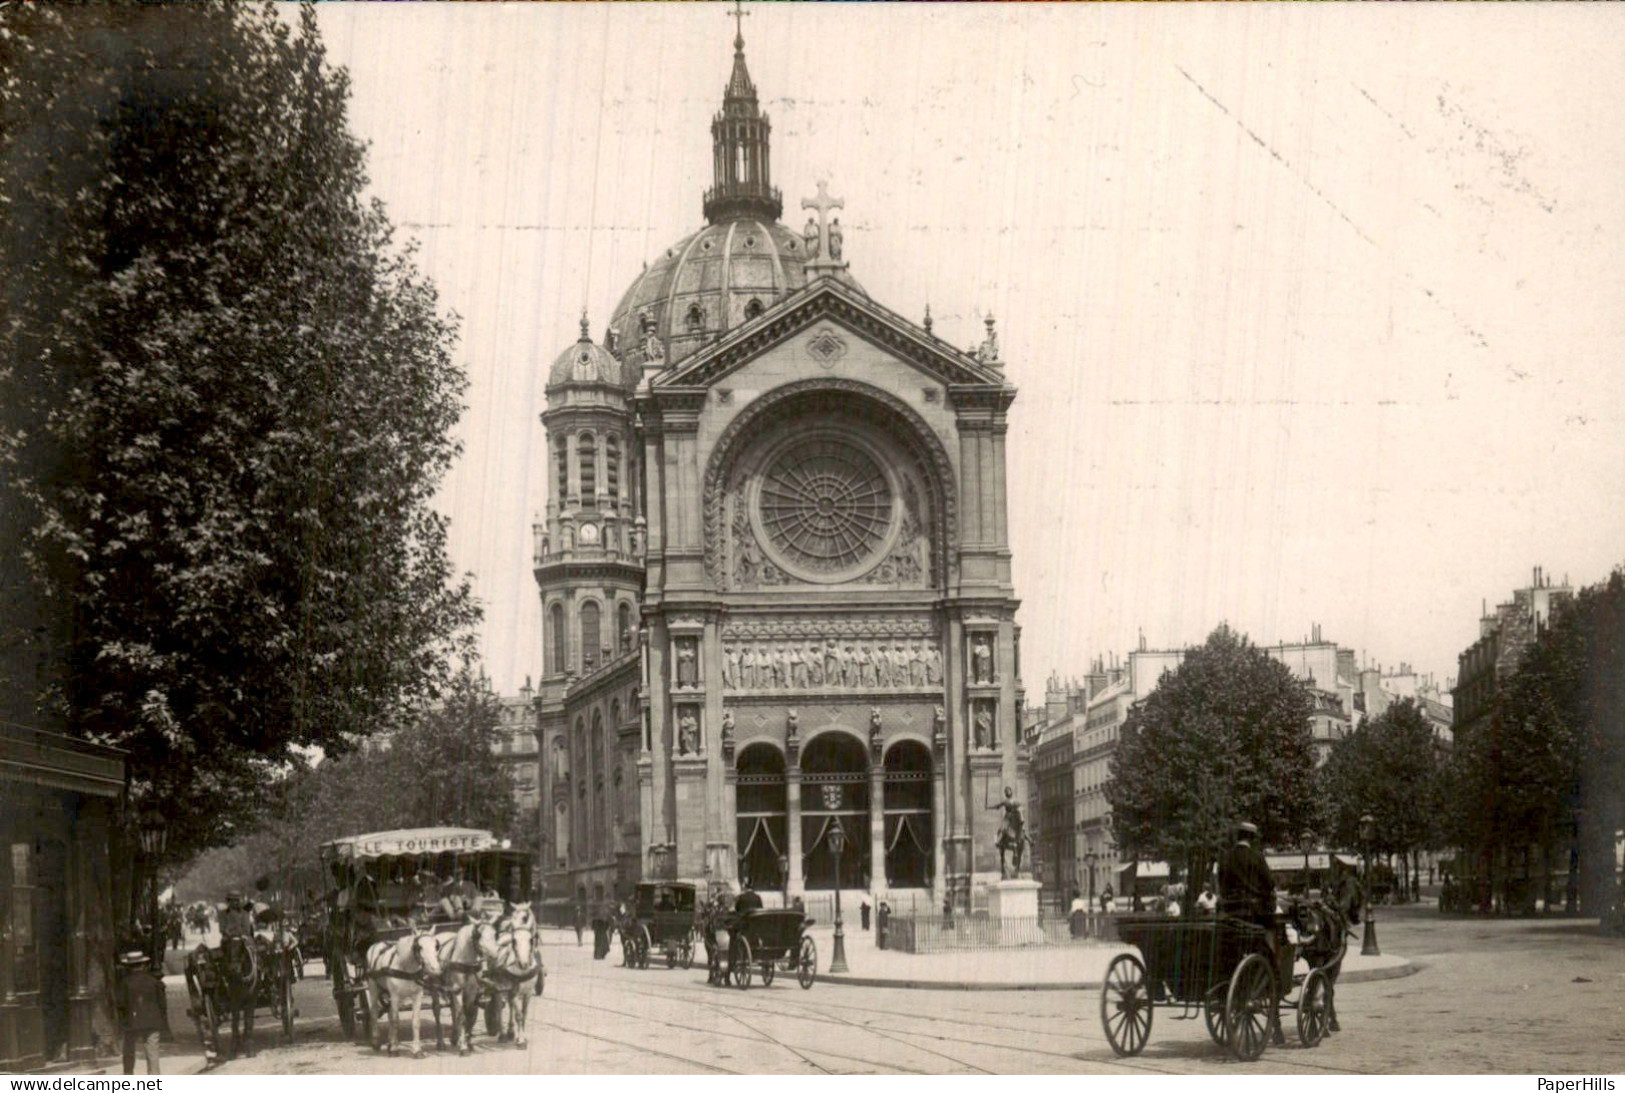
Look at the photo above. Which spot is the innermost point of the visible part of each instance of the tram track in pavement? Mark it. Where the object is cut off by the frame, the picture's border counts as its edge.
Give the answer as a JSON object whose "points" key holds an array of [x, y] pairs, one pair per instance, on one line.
{"points": [[813, 1011]]}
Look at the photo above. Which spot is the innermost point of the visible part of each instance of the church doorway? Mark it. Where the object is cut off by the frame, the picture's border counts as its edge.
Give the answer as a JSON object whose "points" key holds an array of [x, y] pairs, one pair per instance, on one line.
{"points": [[762, 817], [835, 794], [908, 832]]}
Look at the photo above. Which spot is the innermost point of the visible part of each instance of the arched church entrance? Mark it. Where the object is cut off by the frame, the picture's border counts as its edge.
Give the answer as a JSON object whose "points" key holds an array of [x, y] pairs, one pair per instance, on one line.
{"points": [[762, 817], [908, 832], [835, 794]]}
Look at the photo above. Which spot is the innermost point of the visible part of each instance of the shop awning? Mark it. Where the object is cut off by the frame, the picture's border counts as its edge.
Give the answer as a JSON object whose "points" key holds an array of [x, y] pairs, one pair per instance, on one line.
{"points": [[1145, 870]]}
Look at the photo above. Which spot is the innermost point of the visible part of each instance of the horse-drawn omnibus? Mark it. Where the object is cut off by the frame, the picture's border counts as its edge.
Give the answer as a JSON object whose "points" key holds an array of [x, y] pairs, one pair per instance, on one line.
{"points": [[385, 885]]}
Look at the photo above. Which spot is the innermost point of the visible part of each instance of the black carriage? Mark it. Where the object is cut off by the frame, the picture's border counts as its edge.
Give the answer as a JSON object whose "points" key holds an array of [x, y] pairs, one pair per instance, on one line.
{"points": [[663, 918], [1222, 970], [371, 896], [270, 962], [766, 942]]}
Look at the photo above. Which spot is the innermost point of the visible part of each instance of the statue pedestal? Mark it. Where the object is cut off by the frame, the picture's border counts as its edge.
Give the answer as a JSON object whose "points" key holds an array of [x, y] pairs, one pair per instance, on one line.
{"points": [[1013, 899]]}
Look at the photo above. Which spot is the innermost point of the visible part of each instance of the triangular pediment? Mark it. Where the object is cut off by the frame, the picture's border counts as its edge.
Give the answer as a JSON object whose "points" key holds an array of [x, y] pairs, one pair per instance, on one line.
{"points": [[827, 300]]}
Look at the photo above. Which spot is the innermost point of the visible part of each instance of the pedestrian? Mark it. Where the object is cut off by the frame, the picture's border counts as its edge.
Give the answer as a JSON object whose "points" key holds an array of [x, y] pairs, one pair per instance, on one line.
{"points": [[863, 914], [1207, 902], [142, 1011], [882, 924], [580, 922], [1078, 913], [947, 913], [1106, 900]]}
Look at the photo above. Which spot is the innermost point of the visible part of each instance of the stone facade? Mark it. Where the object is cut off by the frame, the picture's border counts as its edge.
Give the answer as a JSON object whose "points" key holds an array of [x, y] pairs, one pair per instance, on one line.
{"points": [[775, 569]]}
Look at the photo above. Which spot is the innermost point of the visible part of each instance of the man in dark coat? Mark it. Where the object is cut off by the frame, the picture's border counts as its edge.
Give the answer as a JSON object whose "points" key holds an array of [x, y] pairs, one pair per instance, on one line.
{"points": [[1246, 887], [143, 1014]]}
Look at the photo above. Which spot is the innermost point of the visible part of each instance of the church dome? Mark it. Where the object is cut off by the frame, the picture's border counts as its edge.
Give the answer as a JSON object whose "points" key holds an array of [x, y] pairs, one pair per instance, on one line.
{"points": [[708, 284], [584, 362]]}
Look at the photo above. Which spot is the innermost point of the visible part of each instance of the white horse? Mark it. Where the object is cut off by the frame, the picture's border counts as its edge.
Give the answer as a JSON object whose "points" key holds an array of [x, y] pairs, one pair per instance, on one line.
{"points": [[397, 970], [462, 957], [517, 964]]}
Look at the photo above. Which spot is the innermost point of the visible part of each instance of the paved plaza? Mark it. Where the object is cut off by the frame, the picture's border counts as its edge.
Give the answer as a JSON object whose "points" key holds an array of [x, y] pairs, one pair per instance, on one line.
{"points": [[1483, 996]]}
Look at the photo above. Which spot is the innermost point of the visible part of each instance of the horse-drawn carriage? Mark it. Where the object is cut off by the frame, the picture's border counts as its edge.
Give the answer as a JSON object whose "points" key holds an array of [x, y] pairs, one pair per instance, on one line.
{"points": [[1228, 972], [764, 942], [436, 913], [244, 975], [663, 917]]}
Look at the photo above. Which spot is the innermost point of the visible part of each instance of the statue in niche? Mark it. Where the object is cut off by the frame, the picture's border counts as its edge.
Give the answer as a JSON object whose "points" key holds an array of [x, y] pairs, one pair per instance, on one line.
{"points": [[792, 735], [687, 663], [883, 676], [688, 734], [781, 668], [809, 238], [747, 668], [939, 724], [730, 667], [835, 240], [832, 664], [981, 660], [900, 668], [813, 658], [569, 538], [851, 670], [798, 666], [984, 728], [874, 727], [727, 730], [747, 555], [933, 664]]}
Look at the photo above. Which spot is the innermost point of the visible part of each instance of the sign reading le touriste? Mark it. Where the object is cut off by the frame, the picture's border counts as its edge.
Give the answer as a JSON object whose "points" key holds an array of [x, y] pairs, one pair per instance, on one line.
{"points": [[423, 842]]}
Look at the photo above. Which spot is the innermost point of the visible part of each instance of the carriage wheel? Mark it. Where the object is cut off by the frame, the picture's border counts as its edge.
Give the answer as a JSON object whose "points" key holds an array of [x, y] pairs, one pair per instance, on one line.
{"points": [[769, 970], [739, 962], [1248, 1006], [685, 951], [287, 1007], [1314, 1009], [645, 943], [807, 963], [1125, 1005], [1213, 1011]]}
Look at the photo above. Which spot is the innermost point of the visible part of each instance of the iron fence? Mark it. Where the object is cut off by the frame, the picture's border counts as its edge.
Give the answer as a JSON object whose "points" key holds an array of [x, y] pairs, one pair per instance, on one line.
{"points": [[980, 931]]}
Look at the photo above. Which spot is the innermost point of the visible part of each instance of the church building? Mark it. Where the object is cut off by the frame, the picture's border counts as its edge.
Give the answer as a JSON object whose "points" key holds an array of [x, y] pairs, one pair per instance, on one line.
{"points": [[774, 569]]}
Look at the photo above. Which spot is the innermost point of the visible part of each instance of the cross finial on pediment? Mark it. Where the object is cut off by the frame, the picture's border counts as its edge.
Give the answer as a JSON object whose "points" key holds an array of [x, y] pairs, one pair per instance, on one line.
{"points": [[825, 246]]}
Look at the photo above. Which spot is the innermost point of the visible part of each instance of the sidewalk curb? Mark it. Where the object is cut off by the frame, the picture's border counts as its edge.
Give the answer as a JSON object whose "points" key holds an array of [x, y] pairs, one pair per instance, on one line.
{"points": [[1370, 975]]}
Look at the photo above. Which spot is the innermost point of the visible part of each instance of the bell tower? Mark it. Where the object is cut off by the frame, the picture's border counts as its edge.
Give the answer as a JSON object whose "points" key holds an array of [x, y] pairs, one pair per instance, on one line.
{"points": [[743, 183]]}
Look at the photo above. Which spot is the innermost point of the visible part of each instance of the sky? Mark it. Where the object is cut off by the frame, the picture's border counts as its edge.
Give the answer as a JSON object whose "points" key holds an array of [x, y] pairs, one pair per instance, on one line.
{"points": [[1315, 311]]}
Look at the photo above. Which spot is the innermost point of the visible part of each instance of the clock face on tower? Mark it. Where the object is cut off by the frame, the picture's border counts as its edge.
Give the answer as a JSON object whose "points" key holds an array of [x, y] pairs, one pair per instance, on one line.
{"points": [[589, 534]]}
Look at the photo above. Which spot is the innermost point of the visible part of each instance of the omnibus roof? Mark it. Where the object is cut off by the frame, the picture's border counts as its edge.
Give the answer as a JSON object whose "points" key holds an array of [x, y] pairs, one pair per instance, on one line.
{"points": [[411, 842]]}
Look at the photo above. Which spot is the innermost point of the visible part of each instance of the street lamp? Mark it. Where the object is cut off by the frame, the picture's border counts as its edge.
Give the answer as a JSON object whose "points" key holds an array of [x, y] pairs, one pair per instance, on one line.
{"points": [[784, 878], [1368, 834], [1090, 858], [837, 843], [1307, 840], [153, 832]]}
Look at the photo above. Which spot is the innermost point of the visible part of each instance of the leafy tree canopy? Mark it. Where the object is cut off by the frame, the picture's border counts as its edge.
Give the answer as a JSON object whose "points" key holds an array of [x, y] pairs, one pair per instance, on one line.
{"points": [[439, 769], [1223, 738], [228, 402], [1388, 768]]}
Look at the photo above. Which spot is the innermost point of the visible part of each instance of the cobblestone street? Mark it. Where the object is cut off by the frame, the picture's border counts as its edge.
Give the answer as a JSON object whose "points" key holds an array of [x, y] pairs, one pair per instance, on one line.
{"points": [[1487, 996]]}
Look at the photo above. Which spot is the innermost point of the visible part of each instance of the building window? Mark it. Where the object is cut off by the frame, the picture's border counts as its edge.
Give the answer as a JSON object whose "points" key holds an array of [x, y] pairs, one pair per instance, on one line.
{"points": [[587, 456], [753, 309], [589, 636], [556, 638], [696, 318], [825, 505], [612, 466], [561, 463]]}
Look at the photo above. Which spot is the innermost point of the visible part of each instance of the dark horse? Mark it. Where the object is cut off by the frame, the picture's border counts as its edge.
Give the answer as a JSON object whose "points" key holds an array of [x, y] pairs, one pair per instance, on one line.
{"points": [[1323, 927], [239, 980]]}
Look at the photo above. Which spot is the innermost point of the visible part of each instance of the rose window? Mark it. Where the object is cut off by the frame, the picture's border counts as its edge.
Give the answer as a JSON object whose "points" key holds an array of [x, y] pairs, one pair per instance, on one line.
{"points": [[825, 505]]}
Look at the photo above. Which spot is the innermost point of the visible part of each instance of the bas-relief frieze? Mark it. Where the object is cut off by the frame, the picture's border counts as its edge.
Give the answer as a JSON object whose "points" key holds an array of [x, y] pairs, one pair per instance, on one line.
{"points": [[831, 664], [897, 719]]}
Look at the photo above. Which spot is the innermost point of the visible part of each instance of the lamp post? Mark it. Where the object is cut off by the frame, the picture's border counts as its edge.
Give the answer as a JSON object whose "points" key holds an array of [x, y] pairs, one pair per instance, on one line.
{"points": [[153, 832], [784, 878], [837, 843], [1368, 834], [1090, 858], [1307, 840]]}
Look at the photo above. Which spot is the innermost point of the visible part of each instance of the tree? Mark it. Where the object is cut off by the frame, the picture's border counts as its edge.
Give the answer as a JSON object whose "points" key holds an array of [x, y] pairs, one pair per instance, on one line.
{"points": [[1388, 768], [440, 768], [1223, 738], [229, 402]]}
